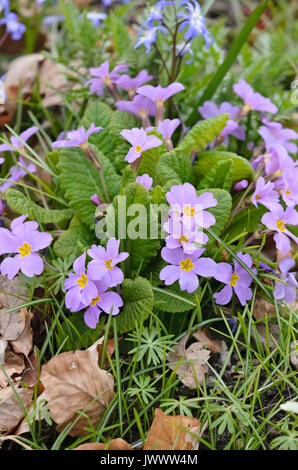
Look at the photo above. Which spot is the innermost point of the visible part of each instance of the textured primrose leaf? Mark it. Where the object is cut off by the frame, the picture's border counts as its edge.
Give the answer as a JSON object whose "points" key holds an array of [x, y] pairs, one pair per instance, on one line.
{"points": [[21, 204], [174, 166], [222, 210], [73, 241], [172, 299], [100, 114], [220, 175], [81, 180], [242, 168], [246, 221], [141, 250], [138, 299], [202, 134]]}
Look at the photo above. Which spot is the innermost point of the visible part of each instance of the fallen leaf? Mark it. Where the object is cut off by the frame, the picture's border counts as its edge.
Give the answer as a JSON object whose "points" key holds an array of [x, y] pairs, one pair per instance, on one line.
{"points": [[196, 355], [30, 372], [166, 433], [115, 444], [23, 343], [262, 309], [204, 336], [75, 378], [98, 346], [273, 334], [14, 365], [11, 412], [21, 73]]}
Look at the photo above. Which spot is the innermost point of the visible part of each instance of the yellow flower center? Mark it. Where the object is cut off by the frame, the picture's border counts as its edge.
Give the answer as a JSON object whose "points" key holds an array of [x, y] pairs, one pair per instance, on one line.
{"points": [[107, 80], [108, 264], [247, 108], [82, 281], [189, 211], [280, 225], [233, 280], [257, 197], [186, 265], [288, 192], [95, 301], [25, 250], [138, 149], [183, 238]]}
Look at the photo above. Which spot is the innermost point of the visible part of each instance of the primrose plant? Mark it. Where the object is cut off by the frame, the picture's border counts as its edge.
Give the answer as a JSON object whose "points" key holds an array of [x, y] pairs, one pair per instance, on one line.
{"points": [[184, 209]]}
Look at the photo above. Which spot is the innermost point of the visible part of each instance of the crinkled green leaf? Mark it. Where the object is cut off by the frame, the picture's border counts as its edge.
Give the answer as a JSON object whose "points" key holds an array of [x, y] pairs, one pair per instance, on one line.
{"points": [[174, 166], [73, 241], [220, 175], [223, 208], [21, 204], [242, 168], [81, 180], [203, 134], [138, 299]]}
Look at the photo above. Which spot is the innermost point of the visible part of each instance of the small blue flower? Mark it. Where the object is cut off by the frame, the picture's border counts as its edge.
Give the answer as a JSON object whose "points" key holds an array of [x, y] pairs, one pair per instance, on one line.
{"points": [[13, 26], [149, 37], [196, 23]]}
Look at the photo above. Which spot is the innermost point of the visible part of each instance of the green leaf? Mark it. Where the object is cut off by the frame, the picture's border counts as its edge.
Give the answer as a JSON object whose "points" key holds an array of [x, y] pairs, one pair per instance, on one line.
{"points": [[149, 162], [173, 300], [242, 168], [202, 134], [219, 175], [21, 204], [81, 180], [138, 299], [101, 114], [246, 221], [223, 208], [73, 241], [141, 250], [229, 60], [174, 166]]}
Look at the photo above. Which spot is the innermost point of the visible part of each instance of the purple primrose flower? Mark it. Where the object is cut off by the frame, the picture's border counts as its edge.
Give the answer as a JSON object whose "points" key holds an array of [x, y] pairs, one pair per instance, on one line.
{"points": [[140, 142], [239, 280], [145, 180], [80, 286], [24, 239], [287, 293], [76, 138], [265, 194], [103, 265], [17, 142], [185, 268], [102, 76], [277, 220], [252, 100], [104, 302], [16, 173]]}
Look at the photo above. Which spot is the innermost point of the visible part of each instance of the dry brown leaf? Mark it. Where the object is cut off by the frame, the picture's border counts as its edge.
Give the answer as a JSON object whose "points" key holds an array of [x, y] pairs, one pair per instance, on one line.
{"points": [[196, 355], [75, 378], [273, 336], [166, 433], [13, 366], [115, 444], [10, 410], [263, 308], [23, 343], [30, 372], [22, 72], [204, 336], [98, 347]]}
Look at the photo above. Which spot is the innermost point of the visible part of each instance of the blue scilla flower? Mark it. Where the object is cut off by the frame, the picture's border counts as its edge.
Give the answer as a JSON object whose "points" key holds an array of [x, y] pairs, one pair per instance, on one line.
{"points": [[196, 23], [13, 26], [149, 37]]}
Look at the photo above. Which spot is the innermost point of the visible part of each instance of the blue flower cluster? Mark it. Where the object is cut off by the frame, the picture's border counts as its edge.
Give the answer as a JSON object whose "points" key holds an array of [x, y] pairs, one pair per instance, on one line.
{"points": [[11, 21], [192, 19]]}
